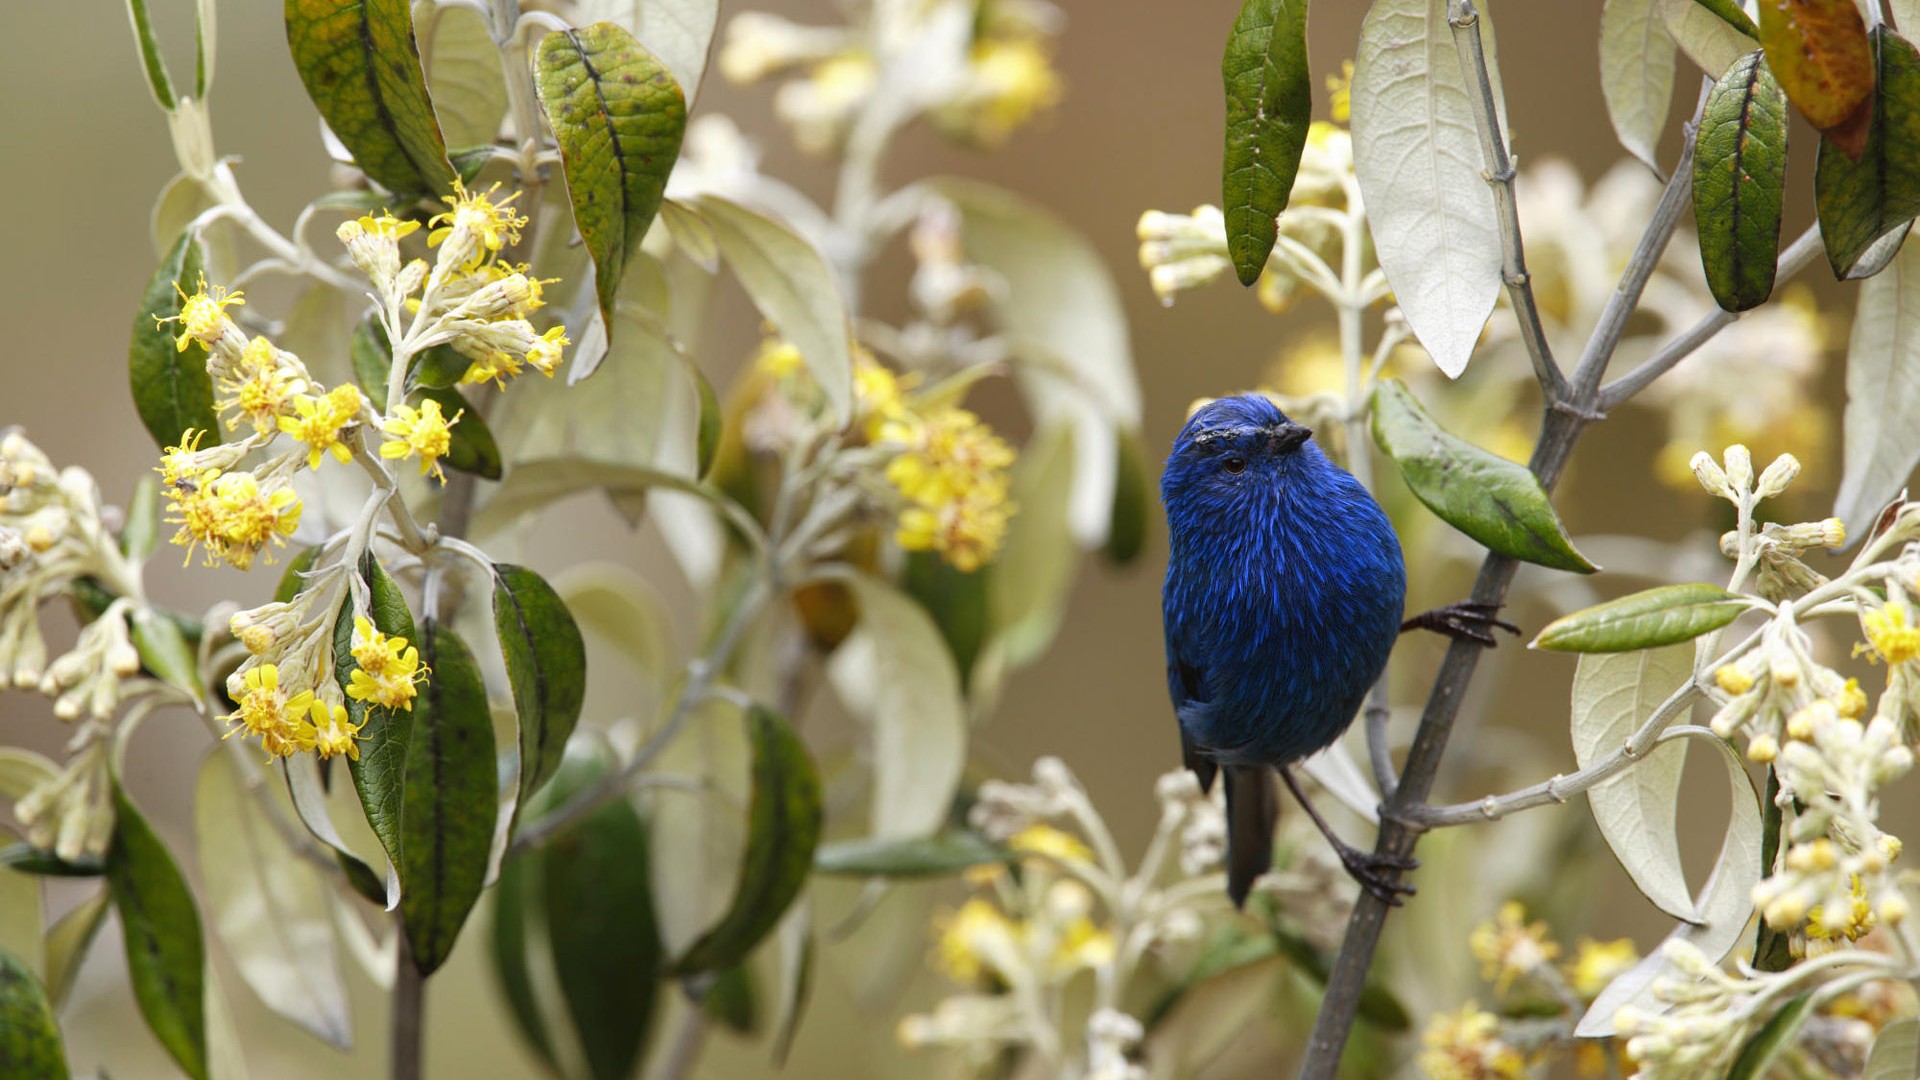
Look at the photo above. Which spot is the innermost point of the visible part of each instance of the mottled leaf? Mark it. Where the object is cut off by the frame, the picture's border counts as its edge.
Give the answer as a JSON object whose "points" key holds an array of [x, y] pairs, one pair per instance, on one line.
{"points": [[1739, 177], [1269, 105], [1666, 615], [936, 855], [783, 821], [680, 32], [1859, 202], [546, 665], [1497, 502], [361, 66], [1818, 50], [1638, 810], [29, 1034], [379, 773], [450, 800], [618, 116], [1882, 445], [165, 956], [172, 391], [1636, 74]]}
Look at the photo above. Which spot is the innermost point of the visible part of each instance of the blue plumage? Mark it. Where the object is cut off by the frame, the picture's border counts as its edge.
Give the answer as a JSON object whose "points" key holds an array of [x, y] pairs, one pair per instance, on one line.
{"points": [[1284, 594]]}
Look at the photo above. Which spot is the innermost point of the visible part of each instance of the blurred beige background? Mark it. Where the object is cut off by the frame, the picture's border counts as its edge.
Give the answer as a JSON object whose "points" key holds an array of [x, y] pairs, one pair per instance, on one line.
{"points": [[1138, 128]]}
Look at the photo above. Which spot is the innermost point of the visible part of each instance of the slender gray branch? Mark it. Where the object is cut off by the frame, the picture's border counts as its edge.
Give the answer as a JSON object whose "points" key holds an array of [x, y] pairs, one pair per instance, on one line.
{"points": [[1465, 21], [409, 1011], [1793, 260]]}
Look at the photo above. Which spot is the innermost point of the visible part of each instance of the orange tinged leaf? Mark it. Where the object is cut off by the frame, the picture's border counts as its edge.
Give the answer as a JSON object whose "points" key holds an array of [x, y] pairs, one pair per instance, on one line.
{"points": [[1818, 50]]}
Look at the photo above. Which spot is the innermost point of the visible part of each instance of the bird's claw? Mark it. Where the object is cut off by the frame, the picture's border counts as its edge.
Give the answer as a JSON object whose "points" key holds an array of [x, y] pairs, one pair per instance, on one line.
{"points": [[1464, 621], [1378, 873]]}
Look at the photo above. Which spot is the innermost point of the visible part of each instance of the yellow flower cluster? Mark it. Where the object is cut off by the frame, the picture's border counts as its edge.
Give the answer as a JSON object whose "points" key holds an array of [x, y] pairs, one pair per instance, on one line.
{"points": [[289, 723], [1510, 948], [1044, 925], [954, 477], [389, 669], [1466, 1045], [233, 516], [318, 422], [425, 431], [1891, 631]]}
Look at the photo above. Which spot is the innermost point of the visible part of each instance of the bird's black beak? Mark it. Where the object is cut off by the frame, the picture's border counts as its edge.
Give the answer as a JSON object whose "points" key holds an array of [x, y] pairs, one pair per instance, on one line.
{"points": [[1288, 435]]}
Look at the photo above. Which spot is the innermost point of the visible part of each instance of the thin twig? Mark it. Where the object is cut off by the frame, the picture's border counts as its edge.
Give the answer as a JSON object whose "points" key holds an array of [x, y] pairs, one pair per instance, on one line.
{"points": [[409, 1005], [1499, 176]]}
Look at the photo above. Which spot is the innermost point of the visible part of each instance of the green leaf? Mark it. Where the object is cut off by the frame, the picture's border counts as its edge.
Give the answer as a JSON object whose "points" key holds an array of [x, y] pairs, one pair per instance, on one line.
{"points": [[1818, 50], [471, 448], [1883, 387], [731, 1000], [1896, 1052], [783, 828], [380, 772], [291, 579], [956, 600], [1861, 201], [450, 800], [372, 360], [154, 64], [469, 90], [546, 662], [680, 32], [268, 904], [515, 922], [361, 66], [707, 440], [1269, 105], [1766, 1045], [29, 1035], [171, 388], [618, 116], [1499, 503], [793, 286], [1638, 810], [1739, 176], [27, 859], [1731, 13], [165, 957], [69, 940], [1666, 615], [1132, 501], [937, 855], [1636, 74], [440, 367], [142, 530], [203, 32], [165, 651]]}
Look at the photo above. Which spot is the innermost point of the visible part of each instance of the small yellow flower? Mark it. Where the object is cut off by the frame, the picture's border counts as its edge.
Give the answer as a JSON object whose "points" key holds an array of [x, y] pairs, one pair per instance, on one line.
{"points": [[234, 517], [497, 368], [1049, 842], [1340, 93], [1733, 678], [779, 358], [319, 421], [333, 733], [976, 940], [1013, 81], [1597, 963], [967, 533], [1466, 1045], [1891, 631], [477, 225], [388, 672], [422, 431], [178, 463], [1510, 947], [268, 713], [261, 388], [388, 227], [1848, 917], [203, 313], [544, 355]]}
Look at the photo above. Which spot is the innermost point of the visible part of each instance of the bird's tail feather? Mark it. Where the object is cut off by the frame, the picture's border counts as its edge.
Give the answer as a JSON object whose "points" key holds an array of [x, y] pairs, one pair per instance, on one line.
{"points": [[1252, 806]]}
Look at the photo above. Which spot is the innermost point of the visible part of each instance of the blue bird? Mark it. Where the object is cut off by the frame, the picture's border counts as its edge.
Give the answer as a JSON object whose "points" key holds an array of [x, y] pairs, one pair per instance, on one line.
{"points": [[1284, 595]]}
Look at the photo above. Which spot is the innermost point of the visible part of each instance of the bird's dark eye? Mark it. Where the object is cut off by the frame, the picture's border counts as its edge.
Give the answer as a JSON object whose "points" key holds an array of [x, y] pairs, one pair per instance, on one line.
{"points": [[1236, 465]]}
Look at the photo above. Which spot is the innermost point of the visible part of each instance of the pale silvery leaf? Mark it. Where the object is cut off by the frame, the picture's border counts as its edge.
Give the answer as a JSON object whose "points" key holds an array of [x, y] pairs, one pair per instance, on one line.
{"points": [[267, 904], [224, 1059], [792, 285], [1636, 74], [1210, 1016], [1061, 314], [1725, 902], [463, 76], [1417, 156], [1879, 254], [1335, 769], [22, 920], [1896, 1052], [67, 943], [679, 32], [1637, 811], [23, 770], [1883, 392], [896, 675], [183, 199], [697, 839], [623, 609], [318, 333], [1705, 37], [1034, 573], [310, 805]]}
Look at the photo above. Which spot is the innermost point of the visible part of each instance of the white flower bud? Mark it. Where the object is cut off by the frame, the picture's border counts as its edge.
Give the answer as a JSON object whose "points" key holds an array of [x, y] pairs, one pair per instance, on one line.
{"points": [[1739, 467], [1777, 476], [1710, 475]]}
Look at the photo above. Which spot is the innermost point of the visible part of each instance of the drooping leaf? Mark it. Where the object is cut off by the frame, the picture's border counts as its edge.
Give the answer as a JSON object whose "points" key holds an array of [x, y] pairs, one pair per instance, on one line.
{"points": [[463, 77], [1707, 38], [1062, 317], [1724, 903], [546, 662], [618, 115], [1896, 1052], [1028, 586], [680, 32], [1739, 178], [783, 819], [69, 940], [935, 855], [172, 391], [1880, 254], [1638, 810], [309, 800], [896, 674], [1818, 50], [1861, 201], [1666, 615], [1764, 1047], [516, 922], [1417, 155], [1132, 501], [450, 800], [1636, 74], [957, 600], [379, 773], [793, 286], [361, 66], [1883, 386], [29, 1034], [166, 960], [1499, 503], [1269, 105], [268, 904]]}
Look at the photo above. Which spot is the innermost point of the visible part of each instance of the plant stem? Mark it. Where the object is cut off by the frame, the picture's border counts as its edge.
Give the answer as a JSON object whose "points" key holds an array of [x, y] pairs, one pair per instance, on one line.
{"points": [[409, 1002]]}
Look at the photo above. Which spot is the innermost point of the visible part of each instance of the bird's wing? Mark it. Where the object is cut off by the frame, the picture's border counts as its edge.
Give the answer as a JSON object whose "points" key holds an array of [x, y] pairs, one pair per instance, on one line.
{"points": [[1187, 683]]}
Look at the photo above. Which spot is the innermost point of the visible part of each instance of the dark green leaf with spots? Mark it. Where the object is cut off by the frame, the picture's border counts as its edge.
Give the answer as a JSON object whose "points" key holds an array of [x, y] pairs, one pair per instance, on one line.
{"points": [[29, 1034], [783, 829], [1269, 107], [171, 388], [618, 116], [1739, 177], [546, 662], [361, 67], [1859, 202], [166, 959], [379, 773]]}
